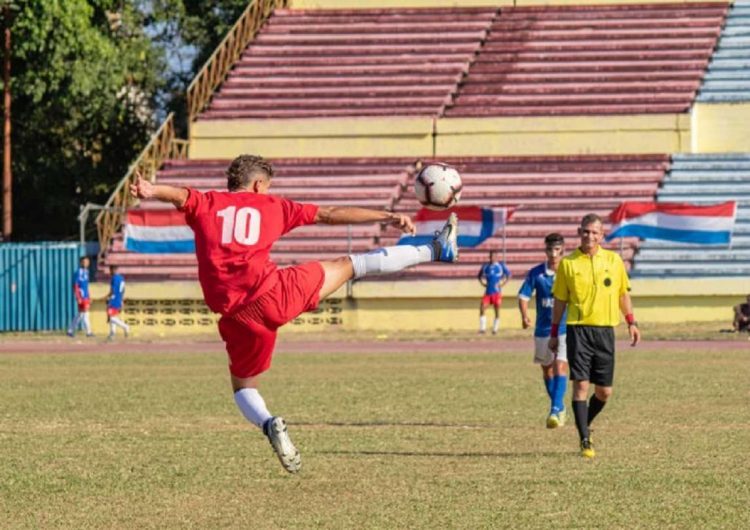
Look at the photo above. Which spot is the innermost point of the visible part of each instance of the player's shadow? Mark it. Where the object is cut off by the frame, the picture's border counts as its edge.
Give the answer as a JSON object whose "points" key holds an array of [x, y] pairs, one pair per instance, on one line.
{"points": [[441, 454]]}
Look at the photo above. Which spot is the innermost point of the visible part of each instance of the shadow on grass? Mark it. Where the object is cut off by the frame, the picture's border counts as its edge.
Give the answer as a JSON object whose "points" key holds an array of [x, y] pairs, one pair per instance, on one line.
{"points": [[392, 424], [515, 454]]}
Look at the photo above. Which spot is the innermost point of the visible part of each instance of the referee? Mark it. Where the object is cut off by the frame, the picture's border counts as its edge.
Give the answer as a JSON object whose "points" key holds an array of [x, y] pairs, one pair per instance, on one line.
{"points": [[594, 286]]}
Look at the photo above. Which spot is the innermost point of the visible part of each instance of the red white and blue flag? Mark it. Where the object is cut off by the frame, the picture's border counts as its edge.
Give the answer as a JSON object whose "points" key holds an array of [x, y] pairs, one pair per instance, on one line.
{"points": [[475, 224], [158, 232], [686, 223]]}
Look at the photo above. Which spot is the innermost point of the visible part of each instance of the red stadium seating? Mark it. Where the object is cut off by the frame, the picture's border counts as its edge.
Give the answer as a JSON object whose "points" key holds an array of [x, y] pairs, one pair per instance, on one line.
{"points": [[352, 63], [619, 59]]}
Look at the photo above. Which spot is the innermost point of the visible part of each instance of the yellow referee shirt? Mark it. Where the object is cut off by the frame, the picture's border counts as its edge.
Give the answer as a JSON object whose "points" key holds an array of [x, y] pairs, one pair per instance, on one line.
{"points": [[592, 287]]}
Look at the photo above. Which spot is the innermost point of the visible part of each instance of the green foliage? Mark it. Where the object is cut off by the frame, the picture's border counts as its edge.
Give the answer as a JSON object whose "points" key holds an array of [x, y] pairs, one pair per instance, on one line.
{"points": [[91, 80], [83, 99]]}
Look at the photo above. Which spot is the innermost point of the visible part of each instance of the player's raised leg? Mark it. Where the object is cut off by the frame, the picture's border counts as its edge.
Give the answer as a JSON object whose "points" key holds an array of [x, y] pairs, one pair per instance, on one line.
{"points": [[386, 260]]}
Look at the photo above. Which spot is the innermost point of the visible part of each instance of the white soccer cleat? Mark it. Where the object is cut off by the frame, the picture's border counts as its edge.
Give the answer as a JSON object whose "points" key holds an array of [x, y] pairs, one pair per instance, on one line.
{"points": [[276, 432], [445, 244]]}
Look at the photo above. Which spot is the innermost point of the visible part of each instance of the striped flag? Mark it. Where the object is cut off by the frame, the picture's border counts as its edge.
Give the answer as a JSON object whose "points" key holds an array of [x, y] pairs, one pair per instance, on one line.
{"points": [[158, 232], [686, 223], [475, 224]]}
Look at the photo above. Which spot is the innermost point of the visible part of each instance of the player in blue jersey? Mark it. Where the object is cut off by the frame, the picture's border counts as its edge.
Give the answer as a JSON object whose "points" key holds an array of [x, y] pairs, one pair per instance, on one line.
{"points": [[83, 299], [115, 300], [554, 366], [493, 276]]}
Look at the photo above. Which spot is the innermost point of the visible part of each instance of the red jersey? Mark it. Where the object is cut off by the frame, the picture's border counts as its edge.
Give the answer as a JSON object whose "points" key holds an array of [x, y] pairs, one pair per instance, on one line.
{"points": [[234, 232]]}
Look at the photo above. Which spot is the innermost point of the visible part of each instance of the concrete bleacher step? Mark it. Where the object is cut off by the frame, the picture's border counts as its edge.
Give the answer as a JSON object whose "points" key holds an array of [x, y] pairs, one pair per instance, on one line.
{"points": [[637, 46], [338, 62]]}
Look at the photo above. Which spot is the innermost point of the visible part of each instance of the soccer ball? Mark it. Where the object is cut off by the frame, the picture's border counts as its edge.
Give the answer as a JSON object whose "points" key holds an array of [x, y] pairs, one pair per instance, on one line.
{"points": [[438, 186]]}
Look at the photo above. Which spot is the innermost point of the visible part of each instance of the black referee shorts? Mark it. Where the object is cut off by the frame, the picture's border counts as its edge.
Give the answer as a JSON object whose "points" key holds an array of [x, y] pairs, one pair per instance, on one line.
{"points": [[591, 354]]}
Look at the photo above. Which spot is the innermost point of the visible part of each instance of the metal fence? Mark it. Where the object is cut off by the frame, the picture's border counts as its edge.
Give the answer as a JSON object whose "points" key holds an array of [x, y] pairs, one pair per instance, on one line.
{"points": [[36, 281]]}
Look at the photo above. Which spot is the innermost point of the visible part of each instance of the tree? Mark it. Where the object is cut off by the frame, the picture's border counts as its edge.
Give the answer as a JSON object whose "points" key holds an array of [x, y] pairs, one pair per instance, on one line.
{"points": [[91, 81], [84, 85]]}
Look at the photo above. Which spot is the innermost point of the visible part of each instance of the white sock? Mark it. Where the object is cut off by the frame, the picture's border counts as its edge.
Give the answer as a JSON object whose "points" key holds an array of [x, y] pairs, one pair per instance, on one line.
{"points": [[86, 322], [482, 323], [390, 259], [111, 327], [496, 325], [117, 322], [74, 324], [251, 403]]}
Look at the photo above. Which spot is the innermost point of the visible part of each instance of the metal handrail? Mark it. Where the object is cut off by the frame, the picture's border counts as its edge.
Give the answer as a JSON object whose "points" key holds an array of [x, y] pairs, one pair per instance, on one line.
{"points": [[162, 146], [216, 68]]}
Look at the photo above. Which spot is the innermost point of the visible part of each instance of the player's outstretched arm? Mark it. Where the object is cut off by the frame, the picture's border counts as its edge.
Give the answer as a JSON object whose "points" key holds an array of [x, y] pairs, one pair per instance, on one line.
{"points": [[143, 189], [344, 215]]}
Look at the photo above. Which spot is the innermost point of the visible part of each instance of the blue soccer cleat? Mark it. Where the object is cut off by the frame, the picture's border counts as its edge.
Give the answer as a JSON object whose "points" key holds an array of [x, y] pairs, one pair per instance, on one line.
{"points": [[445, 244]]}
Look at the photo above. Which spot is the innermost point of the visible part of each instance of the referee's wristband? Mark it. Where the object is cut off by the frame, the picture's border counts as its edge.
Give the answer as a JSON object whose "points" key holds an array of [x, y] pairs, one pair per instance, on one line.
{"points": [[555, 331], [630, 319]]}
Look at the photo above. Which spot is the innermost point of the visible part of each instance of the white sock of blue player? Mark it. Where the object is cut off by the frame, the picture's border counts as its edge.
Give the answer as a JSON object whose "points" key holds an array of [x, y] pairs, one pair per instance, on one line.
{"points": [[390, 259], [252, 405], [86, 322], [482, 323], [496, 325], [114, 321]]}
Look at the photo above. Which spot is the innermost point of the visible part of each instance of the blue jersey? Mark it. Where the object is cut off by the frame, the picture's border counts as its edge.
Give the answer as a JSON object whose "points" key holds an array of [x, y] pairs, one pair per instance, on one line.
{"points": [[81, 283], [494, 274], [117, 286], [540, 278]]}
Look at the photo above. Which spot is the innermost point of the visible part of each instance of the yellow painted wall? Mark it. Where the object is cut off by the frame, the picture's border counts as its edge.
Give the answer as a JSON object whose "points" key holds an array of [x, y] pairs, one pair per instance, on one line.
{"points": [[313, 137], [167, 309], [374, 4], [720, 127], [602, 2], [659, 133]]}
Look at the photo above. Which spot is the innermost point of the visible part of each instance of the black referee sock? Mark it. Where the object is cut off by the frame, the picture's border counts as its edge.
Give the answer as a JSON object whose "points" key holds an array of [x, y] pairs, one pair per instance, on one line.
{"points": [[595, 407], [581, 412]]}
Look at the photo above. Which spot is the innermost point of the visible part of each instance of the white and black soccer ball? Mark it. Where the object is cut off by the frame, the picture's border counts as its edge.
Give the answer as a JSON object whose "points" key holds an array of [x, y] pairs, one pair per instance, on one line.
{"points": [[438, 186]]}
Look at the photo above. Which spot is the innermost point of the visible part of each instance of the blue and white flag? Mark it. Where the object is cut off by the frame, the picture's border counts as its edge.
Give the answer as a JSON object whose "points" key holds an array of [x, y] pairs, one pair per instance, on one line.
{"points": [[475, 224], [686, 223], [158, 232]]}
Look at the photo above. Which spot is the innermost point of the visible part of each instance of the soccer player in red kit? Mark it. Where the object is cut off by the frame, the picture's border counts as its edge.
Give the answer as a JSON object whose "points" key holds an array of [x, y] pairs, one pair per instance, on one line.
{"points": [[234, 231]]}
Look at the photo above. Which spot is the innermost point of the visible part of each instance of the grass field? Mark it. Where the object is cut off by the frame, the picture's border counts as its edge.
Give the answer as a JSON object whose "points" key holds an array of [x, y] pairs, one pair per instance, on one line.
{"points": [[406, 440]]}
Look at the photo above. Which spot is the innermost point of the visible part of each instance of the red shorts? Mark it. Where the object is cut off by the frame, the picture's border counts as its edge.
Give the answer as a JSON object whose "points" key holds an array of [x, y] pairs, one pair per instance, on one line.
{"points": [[84, 304], [113, 311], [494, 299], [250, 333]]}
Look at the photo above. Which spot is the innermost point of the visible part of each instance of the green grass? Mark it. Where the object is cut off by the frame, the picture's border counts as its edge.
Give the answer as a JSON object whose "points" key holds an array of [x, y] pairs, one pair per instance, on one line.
{"points": [[388, 441]]}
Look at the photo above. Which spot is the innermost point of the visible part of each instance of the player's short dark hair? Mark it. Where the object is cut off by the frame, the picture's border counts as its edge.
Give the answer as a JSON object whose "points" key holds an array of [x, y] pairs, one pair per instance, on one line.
{"points": [[244, 169], [590, 218], [554, 239], [113, 268], [80, 260]]}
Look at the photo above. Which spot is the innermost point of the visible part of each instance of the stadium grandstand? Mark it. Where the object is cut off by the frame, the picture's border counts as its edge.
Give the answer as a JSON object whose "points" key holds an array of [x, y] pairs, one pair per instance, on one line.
{"points": [[553, 110]]}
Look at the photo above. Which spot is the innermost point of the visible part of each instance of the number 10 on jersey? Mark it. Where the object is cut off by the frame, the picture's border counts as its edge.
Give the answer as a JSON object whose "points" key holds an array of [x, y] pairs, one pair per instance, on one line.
{"points": [[241, 226]]}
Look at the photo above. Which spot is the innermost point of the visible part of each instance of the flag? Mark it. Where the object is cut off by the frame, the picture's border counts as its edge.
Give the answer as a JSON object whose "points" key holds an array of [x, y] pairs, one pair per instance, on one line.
{"points": [[475, 224], [686, 223], [157, 232]]}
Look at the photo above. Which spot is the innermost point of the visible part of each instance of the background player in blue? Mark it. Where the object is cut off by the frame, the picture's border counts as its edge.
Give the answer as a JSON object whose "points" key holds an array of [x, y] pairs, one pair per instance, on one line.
{"points": [[554, 367], [115, 300], [83, 299], [493, 275]]}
